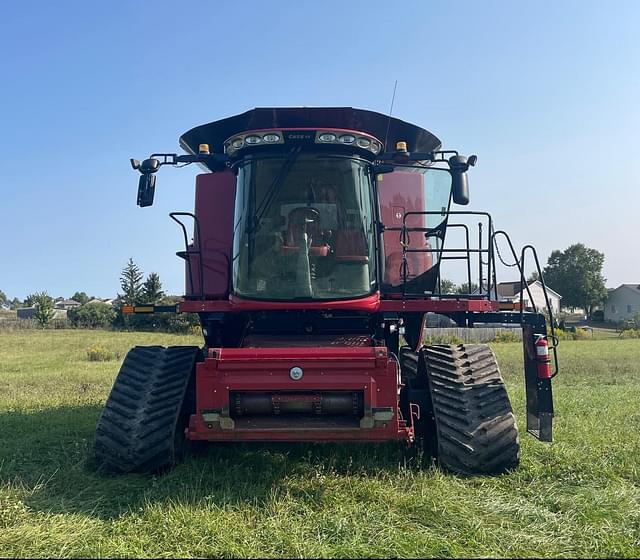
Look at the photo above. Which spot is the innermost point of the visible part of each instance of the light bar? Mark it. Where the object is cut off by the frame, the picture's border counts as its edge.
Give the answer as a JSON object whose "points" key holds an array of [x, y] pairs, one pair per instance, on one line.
{"points": [[273, 137], [232, 145], [363, 141]]}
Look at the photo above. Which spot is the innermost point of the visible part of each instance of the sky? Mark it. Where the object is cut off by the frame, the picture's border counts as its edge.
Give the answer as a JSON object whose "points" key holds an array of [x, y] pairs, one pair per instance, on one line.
{"points": [[546, 93]]}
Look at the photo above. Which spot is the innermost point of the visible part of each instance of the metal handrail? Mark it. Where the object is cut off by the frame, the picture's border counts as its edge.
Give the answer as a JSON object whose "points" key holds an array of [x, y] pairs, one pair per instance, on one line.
{"points": [[188, 252], [405, 243]]}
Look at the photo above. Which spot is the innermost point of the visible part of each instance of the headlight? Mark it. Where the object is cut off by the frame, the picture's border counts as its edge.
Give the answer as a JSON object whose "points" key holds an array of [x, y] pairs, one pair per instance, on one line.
{"points": [[327, 137], [253, 139], [270, 138], [347, 139]]}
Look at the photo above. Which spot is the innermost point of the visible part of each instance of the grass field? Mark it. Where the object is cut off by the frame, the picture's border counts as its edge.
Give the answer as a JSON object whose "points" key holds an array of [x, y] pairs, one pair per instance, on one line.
{"points": [[579, 496]]}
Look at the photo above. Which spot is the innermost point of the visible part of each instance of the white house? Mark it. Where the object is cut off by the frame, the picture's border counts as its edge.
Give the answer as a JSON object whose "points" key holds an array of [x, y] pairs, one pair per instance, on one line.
{"points": [[622, 303], [510, 291], [66, 304]]}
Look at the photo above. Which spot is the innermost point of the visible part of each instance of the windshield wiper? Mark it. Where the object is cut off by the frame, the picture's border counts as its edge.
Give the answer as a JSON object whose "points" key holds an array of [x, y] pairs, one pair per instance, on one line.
{"points": [[273, 188]]}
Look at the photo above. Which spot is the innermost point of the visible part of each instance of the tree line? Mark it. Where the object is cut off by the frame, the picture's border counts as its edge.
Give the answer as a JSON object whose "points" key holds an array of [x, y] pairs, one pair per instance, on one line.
{"points": [[135, 290], [575, 273]]}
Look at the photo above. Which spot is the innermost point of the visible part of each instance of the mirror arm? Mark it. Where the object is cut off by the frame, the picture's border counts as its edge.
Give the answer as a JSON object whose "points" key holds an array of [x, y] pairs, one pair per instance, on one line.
{"points": [[149, 167]]}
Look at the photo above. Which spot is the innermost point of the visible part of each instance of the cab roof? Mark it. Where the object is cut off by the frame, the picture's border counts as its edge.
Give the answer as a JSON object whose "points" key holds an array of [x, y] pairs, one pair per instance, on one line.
{"points": [[283, 118]]}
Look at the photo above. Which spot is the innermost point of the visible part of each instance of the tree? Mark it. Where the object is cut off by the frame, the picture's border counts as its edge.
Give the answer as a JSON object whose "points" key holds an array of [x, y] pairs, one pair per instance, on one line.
{"points": [[447, 286], [80, 297], [92, 315], [131, 284], [466, 288], [152, 289], [576, 274], [30, 300], [3, 297], [44, 308]]}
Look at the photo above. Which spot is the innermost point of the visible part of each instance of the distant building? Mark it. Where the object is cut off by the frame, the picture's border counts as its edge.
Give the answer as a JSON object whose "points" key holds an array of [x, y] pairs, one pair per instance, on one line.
{"points": [[622, 303], [25, 312], [67, 304], [29, 313], [510, 291]]}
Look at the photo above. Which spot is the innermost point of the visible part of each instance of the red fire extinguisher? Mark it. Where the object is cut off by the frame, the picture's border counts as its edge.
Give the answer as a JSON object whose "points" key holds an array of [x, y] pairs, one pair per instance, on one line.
{"points": [[542, 357]]}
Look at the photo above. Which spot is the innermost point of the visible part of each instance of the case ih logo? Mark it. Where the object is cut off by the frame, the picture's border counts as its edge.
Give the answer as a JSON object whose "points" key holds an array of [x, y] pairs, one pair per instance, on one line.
{"points": [[300, 136]]}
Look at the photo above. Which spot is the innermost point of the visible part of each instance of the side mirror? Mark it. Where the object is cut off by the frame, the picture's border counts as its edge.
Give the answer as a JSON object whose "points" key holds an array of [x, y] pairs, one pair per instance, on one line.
{"points": [[460, 184], [458, 166], [146, 189]]}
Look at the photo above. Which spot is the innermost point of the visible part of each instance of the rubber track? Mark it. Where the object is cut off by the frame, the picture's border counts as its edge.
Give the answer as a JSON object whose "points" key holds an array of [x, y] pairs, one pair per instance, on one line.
{"points": [[476, 428], [474, 422], [136, 431]]}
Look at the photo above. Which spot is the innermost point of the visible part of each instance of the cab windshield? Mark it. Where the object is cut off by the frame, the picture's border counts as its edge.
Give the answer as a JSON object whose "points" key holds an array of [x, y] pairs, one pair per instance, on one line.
{"points": [[303, 228]]}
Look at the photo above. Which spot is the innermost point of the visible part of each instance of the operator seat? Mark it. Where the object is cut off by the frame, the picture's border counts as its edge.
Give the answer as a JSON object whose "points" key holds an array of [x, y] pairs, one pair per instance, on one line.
{"points": [[299, 220]]}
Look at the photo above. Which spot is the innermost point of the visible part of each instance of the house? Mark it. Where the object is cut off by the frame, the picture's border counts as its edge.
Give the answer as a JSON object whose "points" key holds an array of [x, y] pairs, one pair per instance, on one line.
{"points": [[67, 304], [25, 312], [510, 291], [622, 303]]}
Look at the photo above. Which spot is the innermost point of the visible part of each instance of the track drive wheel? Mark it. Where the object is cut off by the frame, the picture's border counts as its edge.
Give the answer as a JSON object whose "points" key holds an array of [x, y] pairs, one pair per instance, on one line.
{"points": [[141, 428], [466, 420]]}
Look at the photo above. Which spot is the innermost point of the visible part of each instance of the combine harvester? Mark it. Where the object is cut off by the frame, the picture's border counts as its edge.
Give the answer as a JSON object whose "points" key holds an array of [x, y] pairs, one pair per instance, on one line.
{"points": [[318, 240]]}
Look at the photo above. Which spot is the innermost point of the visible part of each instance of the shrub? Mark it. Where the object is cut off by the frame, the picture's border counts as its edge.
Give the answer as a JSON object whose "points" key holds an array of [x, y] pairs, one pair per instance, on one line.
{"points": [[572, 333], [195, 330], [506, 336], [630, 333], [560, 334], [582, 334], [98, 353], [92, 315]]}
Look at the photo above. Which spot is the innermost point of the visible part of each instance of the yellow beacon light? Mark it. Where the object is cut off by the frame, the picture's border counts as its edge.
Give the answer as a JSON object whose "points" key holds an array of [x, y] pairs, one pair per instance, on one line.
{"points": [[203, 148], [401, 146]]}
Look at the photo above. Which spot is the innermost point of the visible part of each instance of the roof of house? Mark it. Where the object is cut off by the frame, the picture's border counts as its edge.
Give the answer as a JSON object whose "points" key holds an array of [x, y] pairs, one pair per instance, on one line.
{"points": [[635, 288], [96, 300], [69, 302], [511, 289]]}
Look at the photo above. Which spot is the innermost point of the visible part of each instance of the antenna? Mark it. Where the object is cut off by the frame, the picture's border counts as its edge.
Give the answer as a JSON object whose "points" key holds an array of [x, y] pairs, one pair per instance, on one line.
{"points": [[393, 97]]}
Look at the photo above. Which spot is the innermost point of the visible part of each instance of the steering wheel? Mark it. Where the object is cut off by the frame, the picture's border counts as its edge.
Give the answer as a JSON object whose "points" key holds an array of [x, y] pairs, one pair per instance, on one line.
{"points": [[300, 219], [307, 213]]}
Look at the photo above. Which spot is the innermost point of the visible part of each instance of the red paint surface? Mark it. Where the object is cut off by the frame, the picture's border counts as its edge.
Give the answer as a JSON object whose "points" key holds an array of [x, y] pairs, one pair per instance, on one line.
{"points": [[369, 304], [214, 208], [365, 369]]}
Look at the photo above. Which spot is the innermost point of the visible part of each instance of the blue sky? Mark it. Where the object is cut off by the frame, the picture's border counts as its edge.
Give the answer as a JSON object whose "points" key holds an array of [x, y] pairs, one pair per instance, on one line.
{"points": [[546, 93]]}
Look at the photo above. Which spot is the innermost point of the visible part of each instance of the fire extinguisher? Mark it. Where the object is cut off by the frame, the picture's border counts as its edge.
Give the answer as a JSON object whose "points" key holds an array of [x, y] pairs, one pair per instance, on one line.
{"points": [[542, 357]]}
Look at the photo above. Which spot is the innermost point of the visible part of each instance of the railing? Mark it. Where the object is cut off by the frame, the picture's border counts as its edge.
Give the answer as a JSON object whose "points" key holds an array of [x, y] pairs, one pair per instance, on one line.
{"points": [[486, 269], [186, 254], [465, 253]]}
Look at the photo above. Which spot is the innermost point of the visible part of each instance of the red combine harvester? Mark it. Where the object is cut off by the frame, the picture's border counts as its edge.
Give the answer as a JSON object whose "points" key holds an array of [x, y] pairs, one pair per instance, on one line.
{"points": [[314, 266]]}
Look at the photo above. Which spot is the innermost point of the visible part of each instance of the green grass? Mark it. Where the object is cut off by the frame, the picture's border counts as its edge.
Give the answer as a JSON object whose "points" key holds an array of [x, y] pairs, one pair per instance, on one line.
{"points": [[579, 496]]}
